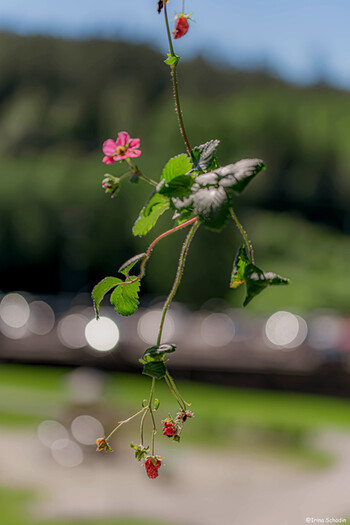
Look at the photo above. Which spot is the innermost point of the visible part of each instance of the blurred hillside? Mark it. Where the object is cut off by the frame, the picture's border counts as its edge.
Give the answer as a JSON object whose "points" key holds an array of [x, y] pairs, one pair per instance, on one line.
{"points": [[58, 231]]}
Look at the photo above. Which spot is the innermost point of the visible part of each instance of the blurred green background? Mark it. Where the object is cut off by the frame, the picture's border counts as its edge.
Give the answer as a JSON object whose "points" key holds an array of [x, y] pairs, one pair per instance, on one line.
{"points": [[59, 232], [245, 451]]}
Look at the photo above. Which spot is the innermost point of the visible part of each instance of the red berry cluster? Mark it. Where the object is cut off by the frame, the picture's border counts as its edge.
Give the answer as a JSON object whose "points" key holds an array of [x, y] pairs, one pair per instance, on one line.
{"points": [[170, 428], [152, 465]]}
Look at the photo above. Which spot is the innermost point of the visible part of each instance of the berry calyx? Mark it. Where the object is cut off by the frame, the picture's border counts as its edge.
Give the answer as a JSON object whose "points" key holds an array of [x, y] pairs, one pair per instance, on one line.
{"points": [[102, 445]]}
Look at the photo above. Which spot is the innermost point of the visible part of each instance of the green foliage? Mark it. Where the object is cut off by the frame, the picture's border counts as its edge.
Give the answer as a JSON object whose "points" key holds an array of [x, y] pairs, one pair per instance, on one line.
{"points": [[125, 297], [244, 271], [239, 266], [176, 167], [130, 263], [237, 176], [150, 213], [178, 187], [172, 60], [154, 358], [155, 369], [204, 156], [101, 289], [211, 205]]}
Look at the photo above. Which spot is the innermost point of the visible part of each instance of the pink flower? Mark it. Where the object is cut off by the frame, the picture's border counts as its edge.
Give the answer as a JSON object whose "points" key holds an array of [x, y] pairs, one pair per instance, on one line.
{"points": [[122, 148]]}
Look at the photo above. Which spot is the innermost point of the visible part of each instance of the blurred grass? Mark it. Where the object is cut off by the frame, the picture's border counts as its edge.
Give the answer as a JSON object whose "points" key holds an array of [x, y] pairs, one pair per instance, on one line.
{"points": [[274, 423], [13, 505]]}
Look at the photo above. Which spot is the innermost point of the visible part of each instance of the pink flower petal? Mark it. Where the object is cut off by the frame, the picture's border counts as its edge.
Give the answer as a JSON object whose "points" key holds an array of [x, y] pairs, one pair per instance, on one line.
{"points": [[133, 153], [121, 157], [123, 138], [108, 160], [134, 143], [109, 147]]}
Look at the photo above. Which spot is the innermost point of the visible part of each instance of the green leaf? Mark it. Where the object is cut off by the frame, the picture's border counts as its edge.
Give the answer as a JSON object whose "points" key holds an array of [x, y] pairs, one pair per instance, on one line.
{"points": [[125, 297], [101, 289], [172, 60], [156, 369], [130, 263], [177, 187], [239, 266], [150, 213], [211, 205], [256, 281], [237, 176], [157, 353], [204, 156], [156, 404], [179, 165]]}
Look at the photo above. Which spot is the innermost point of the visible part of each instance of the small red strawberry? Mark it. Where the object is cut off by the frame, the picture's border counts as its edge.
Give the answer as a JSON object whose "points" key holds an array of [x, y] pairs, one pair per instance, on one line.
{"points": [[181, 25], [170, 428], [152, 465]]}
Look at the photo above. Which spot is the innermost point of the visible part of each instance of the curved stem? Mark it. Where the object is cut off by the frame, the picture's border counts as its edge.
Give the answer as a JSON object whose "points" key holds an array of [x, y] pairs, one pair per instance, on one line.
{"points": [[153, 243], [244, 235], [178, 277], [136, 171], [154, 429], [175, 86], [125, 421]]}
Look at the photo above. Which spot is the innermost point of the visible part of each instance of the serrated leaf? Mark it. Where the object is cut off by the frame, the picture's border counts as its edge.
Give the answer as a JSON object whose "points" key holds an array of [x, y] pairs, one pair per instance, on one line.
{"points": [[182, 216], [238, 175], [177, 187], [256, 281], [239, 266], [172, 60], [204, 156], [130, 263], [101, 289], [150, 213], [211, 205], [157, 353], [175, 167], [156, 369], [125, 297]]}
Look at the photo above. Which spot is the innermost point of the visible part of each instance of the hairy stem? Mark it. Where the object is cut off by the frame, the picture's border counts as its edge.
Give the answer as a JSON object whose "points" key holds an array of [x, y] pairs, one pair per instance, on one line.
{"points": [[244, 235], [125, 421], [153, 243], [178, 277], [175, 86]]}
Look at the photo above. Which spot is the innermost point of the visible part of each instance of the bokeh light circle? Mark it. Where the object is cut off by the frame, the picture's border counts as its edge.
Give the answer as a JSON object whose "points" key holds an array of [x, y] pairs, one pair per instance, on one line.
{"points": [[102, 334]]}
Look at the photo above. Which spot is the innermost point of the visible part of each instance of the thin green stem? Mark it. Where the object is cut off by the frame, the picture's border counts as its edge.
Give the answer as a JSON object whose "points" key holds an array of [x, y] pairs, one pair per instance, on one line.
{"points": [[244, 235], [173, 391], [178, 277], [138, 172], [154, 429], [175, 86], [172, 382], [142, 425], [125, 421]]}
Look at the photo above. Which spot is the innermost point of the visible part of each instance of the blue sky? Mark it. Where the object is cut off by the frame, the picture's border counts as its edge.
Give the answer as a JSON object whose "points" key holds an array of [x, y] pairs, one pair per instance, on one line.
{"points": [[302, 40]]}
